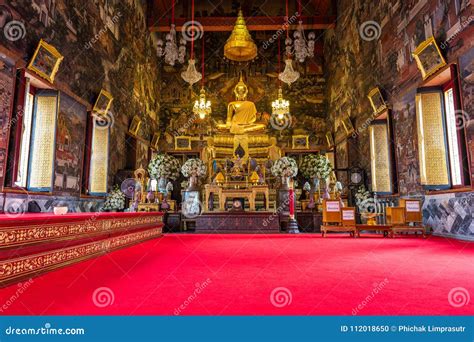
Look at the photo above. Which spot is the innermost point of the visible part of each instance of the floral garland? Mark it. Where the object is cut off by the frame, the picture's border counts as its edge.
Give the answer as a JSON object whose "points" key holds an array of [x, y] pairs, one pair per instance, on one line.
{"points": [[164, 166], [316, 166], [285, 167], [115, 200], [194, 167]]}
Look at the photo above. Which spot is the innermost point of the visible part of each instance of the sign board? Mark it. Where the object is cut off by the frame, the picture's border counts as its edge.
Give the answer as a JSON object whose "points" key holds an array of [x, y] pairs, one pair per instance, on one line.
{"points": [[348, 215], [333, 206], [412, 206]]}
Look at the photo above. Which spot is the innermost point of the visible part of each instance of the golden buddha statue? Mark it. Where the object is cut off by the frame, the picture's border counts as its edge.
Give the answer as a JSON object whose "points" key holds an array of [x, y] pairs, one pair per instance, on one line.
{"points": [[241, 114]]}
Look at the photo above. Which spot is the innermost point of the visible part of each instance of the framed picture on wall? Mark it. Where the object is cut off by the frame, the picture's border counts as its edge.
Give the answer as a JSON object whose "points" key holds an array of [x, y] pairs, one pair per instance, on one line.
{"points": [[103, 102], [376, 100], [347, 124], [428, 58], [182, 143], [135, 125], [300, 142], [329, 139], [155, 140], [45, 61]]}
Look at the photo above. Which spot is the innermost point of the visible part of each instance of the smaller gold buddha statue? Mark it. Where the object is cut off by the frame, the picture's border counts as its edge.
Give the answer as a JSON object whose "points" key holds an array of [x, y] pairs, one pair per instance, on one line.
{"points": [[274, 152]]}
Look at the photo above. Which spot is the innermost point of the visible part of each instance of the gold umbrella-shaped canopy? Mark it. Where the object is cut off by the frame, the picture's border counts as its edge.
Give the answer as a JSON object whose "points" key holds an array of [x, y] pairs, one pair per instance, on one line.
{"points": [[240, 46]]}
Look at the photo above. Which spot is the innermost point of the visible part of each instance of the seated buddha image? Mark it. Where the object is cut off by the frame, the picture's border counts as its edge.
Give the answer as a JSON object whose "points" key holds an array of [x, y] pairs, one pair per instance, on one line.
{"points": [[241, 113]]}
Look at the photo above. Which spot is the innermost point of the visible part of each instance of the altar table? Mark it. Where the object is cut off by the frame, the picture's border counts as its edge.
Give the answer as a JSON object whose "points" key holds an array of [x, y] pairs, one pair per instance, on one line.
{"points": [[32, 244], [249, 193]]}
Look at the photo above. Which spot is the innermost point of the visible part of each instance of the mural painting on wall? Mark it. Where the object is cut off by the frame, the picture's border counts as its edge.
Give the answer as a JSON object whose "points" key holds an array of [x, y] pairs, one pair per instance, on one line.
{"points": [[70, 142], [466, 66], [105, 44], [357, 62]]}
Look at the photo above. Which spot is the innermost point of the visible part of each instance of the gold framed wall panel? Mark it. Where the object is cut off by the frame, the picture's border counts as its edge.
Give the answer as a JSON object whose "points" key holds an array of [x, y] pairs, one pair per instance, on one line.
{"points": [[99, 160], [432, 146], [40, 174], [380, 158]]}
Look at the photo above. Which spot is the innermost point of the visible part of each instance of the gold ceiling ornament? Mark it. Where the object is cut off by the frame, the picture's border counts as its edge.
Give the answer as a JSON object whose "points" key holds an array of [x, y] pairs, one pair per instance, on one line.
{"points": [[240, 46]]}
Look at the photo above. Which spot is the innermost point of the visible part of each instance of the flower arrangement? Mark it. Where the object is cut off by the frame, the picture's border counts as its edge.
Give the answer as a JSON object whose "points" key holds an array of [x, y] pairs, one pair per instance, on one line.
{"points": [[363, 199], [285, 167], [316, 166], [164, 166], [115, 200], [194, 167]]}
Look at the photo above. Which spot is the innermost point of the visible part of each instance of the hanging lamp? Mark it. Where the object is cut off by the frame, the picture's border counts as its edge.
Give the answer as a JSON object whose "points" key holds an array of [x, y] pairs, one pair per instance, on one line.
{"points": [[191, 75], [280, 106], [301, 48], [171, 52], [240, 46], [289, 75], [202, 106]]}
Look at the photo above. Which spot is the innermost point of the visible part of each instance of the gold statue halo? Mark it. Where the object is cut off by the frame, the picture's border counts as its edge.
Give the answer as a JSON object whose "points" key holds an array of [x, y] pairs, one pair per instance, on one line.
{"points": [[240, 46]]}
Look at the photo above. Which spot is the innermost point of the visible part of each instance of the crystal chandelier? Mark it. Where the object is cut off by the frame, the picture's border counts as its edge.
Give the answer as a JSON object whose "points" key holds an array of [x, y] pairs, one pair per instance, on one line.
{"points": [[289, 75], [191, 75], [280, 106], [171, 52], [301, 48], [202, 107]]}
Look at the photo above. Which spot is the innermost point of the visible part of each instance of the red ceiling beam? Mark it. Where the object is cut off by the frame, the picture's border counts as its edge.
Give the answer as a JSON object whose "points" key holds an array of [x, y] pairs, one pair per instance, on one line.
{"points": [[223, 24]]}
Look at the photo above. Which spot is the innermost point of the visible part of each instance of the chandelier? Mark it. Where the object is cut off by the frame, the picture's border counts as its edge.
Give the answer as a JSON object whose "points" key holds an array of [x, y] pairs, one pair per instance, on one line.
{"points": [[301, 48], [191, 75], [289, 75], [280, 106], [202, 107], [171, 52]]}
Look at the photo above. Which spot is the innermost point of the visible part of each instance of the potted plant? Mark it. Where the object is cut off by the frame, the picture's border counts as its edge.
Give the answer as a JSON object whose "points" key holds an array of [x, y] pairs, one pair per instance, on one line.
{"points": [[286, 168], [193, 169], [115, 200], [163, 167]]}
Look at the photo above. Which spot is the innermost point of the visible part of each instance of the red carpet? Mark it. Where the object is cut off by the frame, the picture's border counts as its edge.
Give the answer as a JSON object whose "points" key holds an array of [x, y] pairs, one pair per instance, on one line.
{"points": [[237, 274]]}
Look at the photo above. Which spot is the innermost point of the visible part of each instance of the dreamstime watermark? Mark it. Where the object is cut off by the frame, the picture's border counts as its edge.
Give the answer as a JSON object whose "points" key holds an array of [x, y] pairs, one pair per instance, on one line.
{"points": [[281, 297], [377, 288], [101, 32], [46, 330], [22, 287], [192, 30], [199, 288], [10, 123], [276, 213], [104, 121], [462, 119], [103, 297], [464, 22], [281, 122], [280, 31], [370, 30], [187, 125], [16, 207], [366, 124], [458, 297], [14, 30]]}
